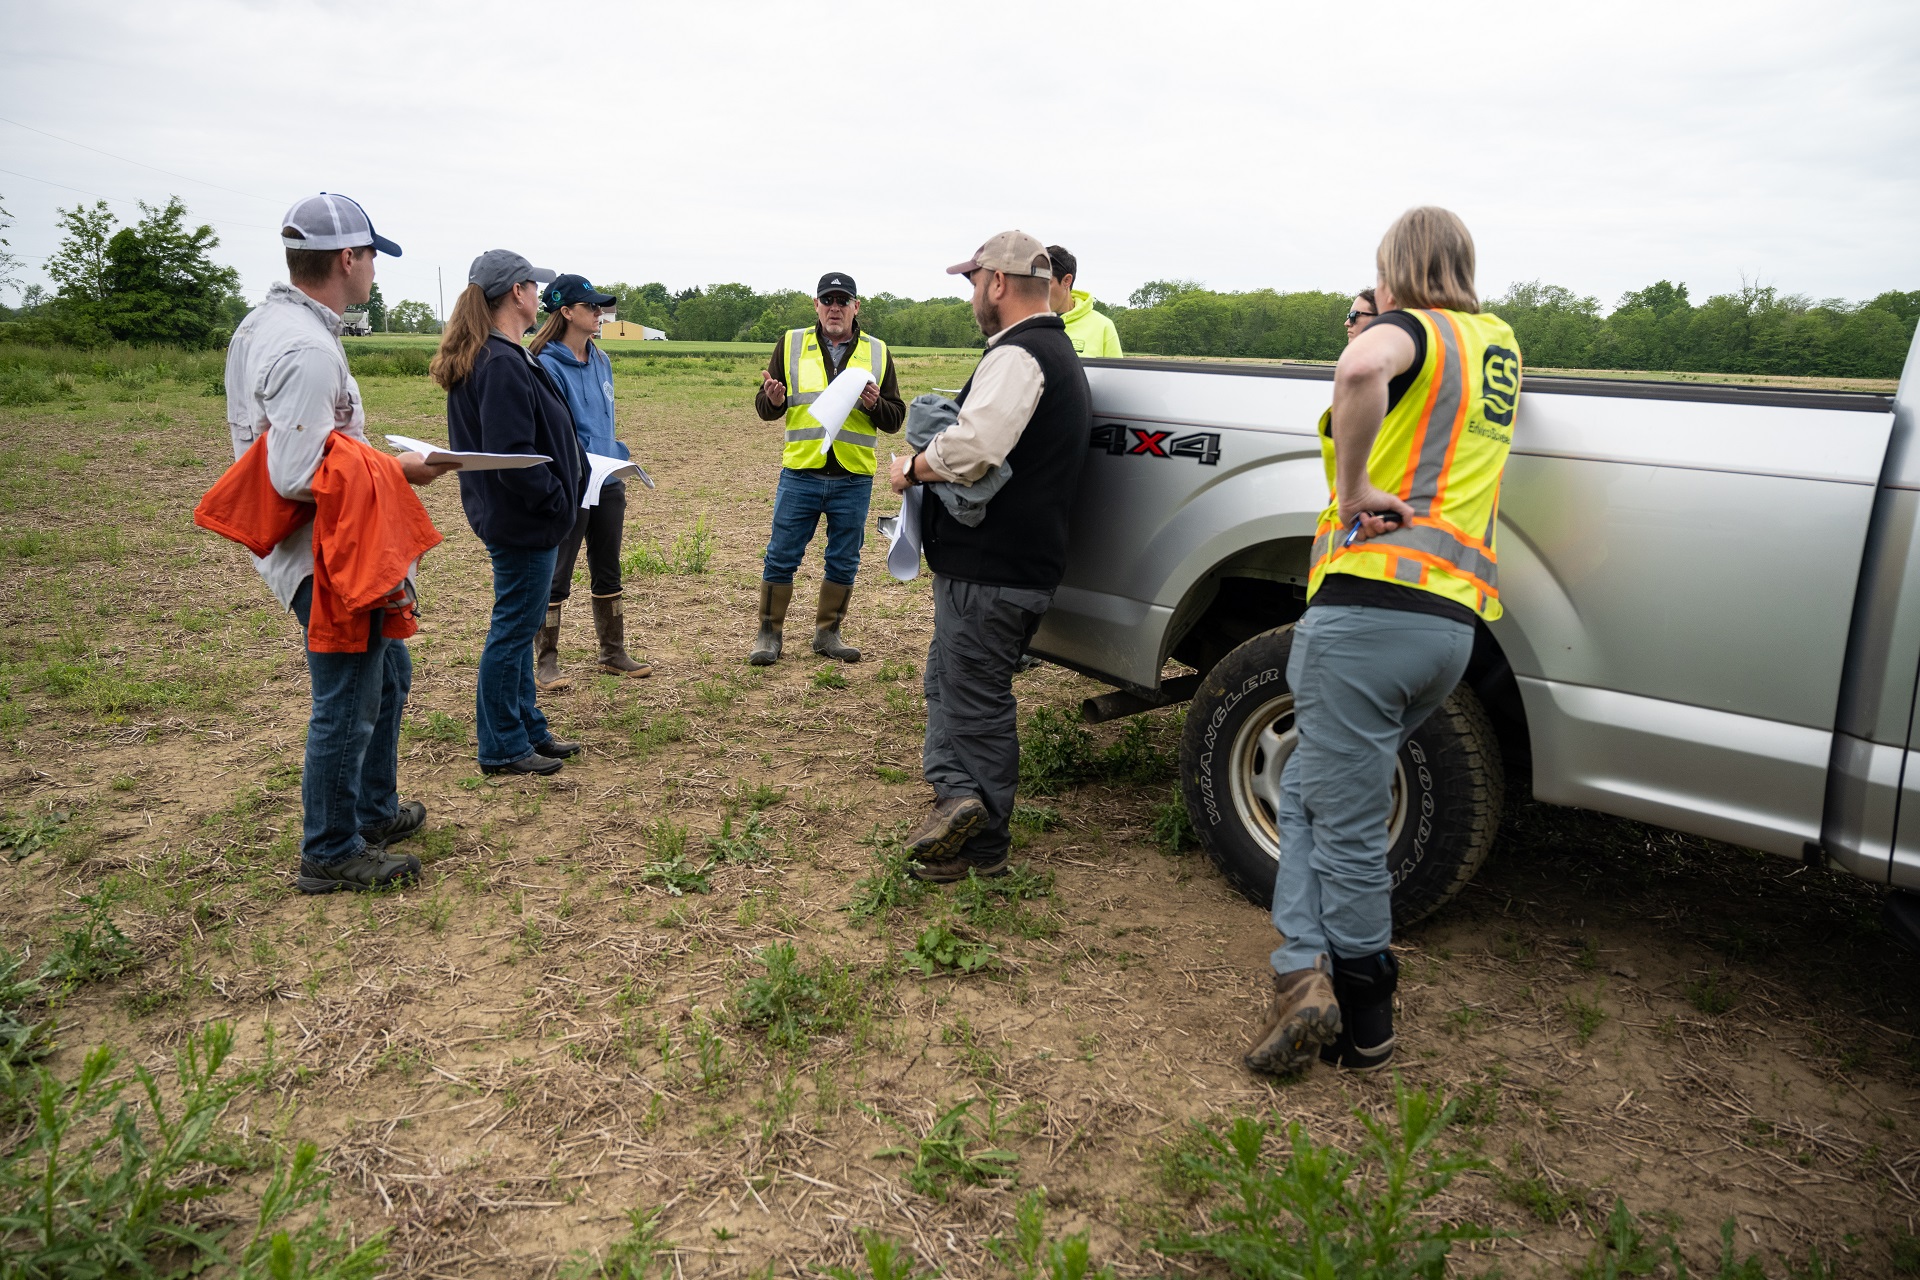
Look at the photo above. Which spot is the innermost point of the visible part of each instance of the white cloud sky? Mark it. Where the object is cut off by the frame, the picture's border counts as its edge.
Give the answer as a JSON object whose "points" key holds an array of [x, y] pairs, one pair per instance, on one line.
{"points": [[1256, 144]]}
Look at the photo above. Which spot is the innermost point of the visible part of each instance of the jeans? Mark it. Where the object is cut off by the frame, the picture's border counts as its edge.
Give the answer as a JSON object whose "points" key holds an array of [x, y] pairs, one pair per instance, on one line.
{"points": [[510, 724], [600, 526], [802, 498], [350, 783], [973, 733], [1363, 680]]}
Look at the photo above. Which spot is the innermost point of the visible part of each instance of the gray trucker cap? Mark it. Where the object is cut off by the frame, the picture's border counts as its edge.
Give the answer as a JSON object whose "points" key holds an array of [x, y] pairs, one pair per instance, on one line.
{"points": [[498, 270], [326, 222]]}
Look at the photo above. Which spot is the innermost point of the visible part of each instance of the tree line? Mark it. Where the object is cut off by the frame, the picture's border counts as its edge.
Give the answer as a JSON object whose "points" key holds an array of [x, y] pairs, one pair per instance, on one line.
{"points": [[155, 282], [1756, 330]]}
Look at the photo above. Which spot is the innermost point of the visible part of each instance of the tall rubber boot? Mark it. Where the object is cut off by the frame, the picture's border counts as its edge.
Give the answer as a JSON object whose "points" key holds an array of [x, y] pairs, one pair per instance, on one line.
{"points": [[826, 624], [610, 626], [774, 598], [546, 655]]}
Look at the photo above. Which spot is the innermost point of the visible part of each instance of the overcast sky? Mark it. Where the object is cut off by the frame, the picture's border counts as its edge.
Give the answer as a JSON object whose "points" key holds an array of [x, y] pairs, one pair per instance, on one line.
{"points": [[1599, 146]]}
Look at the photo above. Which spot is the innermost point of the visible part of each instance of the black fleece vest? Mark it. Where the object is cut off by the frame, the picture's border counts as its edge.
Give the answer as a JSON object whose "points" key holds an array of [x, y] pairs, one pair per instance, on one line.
{"points": [[1023, 540]]}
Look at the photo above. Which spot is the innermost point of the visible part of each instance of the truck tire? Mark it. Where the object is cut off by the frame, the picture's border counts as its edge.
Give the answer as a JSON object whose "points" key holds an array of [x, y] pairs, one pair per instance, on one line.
{"points": [[1448, 786]]}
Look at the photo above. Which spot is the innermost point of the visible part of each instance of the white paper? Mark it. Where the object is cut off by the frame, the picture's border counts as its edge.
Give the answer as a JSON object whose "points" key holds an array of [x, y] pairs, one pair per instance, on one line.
{"points": [[837, 401], [903, 532], [605, 469], [468, 461]]}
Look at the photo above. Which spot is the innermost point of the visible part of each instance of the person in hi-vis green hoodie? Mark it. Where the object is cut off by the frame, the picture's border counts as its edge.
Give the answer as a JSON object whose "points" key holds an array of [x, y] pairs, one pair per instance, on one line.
{"points": [[1093, 335]]}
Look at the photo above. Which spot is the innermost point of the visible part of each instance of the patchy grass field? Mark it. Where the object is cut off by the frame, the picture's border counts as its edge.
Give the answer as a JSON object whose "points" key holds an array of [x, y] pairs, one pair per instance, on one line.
{"points": [[675, 1012]]}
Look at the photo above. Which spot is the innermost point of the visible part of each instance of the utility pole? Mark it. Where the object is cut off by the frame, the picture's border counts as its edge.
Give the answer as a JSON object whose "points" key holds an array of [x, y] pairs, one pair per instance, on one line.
{"points": [[439, 275]]}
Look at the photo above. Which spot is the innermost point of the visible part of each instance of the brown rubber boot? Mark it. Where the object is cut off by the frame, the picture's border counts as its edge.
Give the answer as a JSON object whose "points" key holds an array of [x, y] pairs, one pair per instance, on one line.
{"points": [[610, 625], [1305, 1015], [826, 623], [774, 599], [546, 656]]}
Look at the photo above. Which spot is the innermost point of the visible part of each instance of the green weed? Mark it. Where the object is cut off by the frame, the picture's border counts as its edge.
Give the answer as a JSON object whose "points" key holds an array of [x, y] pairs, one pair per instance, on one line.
{"points": [[830, 677], [892, 670], [999, 903], [888, 887], [1031, 1254], [1325, 1213], [939, 950], [631, 1257], [95, 949], [886, 1260], [690, 553], [1585, 1016], [792, 1002], [746, 844], [94, 1188], [951, 1151], [1710, 995], [21, 837], [1172, 827], [1552, 1201]]}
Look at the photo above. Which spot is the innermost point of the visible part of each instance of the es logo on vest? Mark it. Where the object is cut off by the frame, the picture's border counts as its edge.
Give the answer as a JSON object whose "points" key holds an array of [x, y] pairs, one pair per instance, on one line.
{"points": [[1499, 385]]}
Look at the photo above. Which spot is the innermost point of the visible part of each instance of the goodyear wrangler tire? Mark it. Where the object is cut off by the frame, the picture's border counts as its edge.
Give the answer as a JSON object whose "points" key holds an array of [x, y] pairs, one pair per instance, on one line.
{"points": [[1447, 782]]}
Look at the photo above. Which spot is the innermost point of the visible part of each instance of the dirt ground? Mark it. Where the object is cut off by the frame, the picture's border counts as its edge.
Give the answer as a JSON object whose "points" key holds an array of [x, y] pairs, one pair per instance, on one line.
{"points": [[548, 1031]]}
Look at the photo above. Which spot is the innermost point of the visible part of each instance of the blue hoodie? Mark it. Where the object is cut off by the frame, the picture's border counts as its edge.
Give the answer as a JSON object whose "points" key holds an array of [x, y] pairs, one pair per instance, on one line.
{"points": [[588, 386]]}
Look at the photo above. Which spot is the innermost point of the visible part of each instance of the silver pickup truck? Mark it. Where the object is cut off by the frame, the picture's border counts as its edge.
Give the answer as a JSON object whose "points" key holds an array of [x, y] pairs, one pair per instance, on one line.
{"points": [[1712, 614]]}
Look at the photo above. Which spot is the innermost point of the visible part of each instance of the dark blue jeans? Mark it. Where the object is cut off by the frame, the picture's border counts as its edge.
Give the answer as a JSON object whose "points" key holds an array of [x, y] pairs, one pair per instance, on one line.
{"points": [[351, 780], [510, 725], [802, 498]]}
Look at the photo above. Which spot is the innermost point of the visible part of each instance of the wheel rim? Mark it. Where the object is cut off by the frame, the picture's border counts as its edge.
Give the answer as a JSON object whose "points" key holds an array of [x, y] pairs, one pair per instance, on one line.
{"points": [[1260, 752]]}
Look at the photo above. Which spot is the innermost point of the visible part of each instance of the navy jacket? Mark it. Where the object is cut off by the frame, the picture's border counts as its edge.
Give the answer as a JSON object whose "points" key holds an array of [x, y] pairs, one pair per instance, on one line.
{"points": [[509, 404]]}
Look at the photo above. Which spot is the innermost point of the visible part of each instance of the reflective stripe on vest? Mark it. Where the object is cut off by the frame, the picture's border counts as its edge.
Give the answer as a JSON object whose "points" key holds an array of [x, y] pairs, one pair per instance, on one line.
{"points": [[806, 379], [1442, 449]]}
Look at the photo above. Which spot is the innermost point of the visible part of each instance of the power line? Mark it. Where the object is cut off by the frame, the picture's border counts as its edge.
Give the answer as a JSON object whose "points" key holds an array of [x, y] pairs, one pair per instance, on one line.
{"points": [[225, 222], [143, 164]]}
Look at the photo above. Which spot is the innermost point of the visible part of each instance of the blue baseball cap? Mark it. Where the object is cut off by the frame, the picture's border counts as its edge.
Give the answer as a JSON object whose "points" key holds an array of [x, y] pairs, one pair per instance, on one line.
{"points": [[568, 290]]}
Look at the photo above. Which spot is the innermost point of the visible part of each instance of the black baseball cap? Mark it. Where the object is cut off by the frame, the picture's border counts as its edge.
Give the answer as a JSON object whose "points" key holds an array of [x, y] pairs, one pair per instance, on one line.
{"points": [[835, 282], [567, 290]]}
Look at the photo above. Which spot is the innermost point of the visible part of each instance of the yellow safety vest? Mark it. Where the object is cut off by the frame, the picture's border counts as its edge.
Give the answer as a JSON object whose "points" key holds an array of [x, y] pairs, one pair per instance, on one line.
{"points": [[806, 378], [1442, 449]]}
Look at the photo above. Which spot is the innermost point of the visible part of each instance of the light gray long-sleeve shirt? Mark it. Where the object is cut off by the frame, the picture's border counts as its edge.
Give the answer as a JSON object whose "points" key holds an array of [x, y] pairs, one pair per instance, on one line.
{"points": [[1006, 386], [286, 369]]}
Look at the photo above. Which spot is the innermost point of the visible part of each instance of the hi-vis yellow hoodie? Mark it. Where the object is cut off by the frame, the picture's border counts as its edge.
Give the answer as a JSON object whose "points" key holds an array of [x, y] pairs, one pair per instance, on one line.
{"points": [[1094, 336]]}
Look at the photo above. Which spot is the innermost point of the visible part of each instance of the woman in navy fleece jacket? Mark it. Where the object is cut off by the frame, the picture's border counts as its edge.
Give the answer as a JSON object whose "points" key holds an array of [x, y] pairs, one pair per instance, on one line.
{"points": [[499, 400]]}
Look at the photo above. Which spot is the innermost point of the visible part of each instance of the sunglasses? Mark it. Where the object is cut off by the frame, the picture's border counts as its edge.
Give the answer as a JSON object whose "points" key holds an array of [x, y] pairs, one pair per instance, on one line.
{"points": [[836, 300], [1355, 315]]}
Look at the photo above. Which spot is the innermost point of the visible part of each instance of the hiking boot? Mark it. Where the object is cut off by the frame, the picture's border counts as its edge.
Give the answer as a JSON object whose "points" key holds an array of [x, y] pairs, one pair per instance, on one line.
{"points": [[1365, 990], [826, 623], [557, 749], [411, 816], [532, 762], [610, 627], [774, 598], [954, 869], [950, 825], [546, 655], [371, 868], [1305, 1015]]}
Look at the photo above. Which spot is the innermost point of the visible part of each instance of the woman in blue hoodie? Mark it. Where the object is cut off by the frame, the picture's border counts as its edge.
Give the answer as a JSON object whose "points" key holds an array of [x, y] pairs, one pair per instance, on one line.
{"points": [[565, 347]]}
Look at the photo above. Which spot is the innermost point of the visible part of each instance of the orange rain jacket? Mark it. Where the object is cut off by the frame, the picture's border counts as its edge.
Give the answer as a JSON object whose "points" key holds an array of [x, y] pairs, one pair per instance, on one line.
{"points": [[368, 529]]}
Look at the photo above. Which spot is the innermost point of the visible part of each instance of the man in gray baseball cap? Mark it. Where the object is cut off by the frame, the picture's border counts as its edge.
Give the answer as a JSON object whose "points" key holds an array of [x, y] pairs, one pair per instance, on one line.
{"points": [[287, 379], [1027, 405]]}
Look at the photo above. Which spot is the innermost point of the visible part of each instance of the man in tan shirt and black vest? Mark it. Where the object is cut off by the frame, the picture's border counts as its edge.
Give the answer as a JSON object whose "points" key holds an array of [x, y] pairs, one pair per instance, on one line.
{"points": [[1027, 405]]}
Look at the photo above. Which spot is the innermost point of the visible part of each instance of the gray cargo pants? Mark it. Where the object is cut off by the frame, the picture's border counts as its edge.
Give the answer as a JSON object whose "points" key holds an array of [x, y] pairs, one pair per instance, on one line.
{"points": [[973, 732], [1363, 679]]}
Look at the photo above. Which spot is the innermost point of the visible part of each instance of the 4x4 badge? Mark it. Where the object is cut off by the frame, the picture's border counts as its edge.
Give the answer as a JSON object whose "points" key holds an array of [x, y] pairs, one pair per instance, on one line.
{"points": [[1202, 446]]}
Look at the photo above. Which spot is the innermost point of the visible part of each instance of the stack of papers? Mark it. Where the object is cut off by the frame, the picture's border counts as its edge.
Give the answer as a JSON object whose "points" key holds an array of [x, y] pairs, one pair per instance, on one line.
{"points": [[837, 401], [903, 534], [605, 469], [468, 461]]}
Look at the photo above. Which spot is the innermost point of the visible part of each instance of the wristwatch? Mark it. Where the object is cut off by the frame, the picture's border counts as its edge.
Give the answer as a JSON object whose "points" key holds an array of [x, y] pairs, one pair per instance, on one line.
{"points": [[912, 478]]}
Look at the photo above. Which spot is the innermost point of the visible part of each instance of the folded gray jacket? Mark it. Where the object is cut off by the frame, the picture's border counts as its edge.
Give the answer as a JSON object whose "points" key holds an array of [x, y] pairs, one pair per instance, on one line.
{"points": [[927, 417]]}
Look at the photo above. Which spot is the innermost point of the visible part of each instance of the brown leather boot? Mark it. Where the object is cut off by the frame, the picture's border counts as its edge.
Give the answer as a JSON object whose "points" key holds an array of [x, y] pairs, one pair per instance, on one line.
{"points": [[546, 656], [1304, 1016], [774, 598], [610, 625], [826, 623]]}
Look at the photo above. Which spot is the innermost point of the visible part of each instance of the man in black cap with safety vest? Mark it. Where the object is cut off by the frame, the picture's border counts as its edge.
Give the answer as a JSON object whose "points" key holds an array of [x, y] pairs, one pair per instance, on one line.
{"points": [[822, 474]]}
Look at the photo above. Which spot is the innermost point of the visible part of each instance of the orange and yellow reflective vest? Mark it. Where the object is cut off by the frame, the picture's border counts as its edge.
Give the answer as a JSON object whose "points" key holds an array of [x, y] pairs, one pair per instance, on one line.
{"points": [[1442, 449], [806, 447]]}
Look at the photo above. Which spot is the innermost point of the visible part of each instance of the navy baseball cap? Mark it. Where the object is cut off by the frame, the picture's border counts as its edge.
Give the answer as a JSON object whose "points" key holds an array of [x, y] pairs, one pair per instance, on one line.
{"points": [[568, 290], [835, 282]]}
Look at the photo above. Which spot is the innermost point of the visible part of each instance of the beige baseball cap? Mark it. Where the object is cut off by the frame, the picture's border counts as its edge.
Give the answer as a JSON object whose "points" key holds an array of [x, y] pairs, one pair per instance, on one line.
{"points": [[1014, 253]]}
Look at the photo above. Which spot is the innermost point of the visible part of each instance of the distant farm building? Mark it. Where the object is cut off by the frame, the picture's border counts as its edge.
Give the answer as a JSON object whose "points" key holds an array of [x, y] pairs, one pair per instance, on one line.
{"points": [[628, 329]]}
